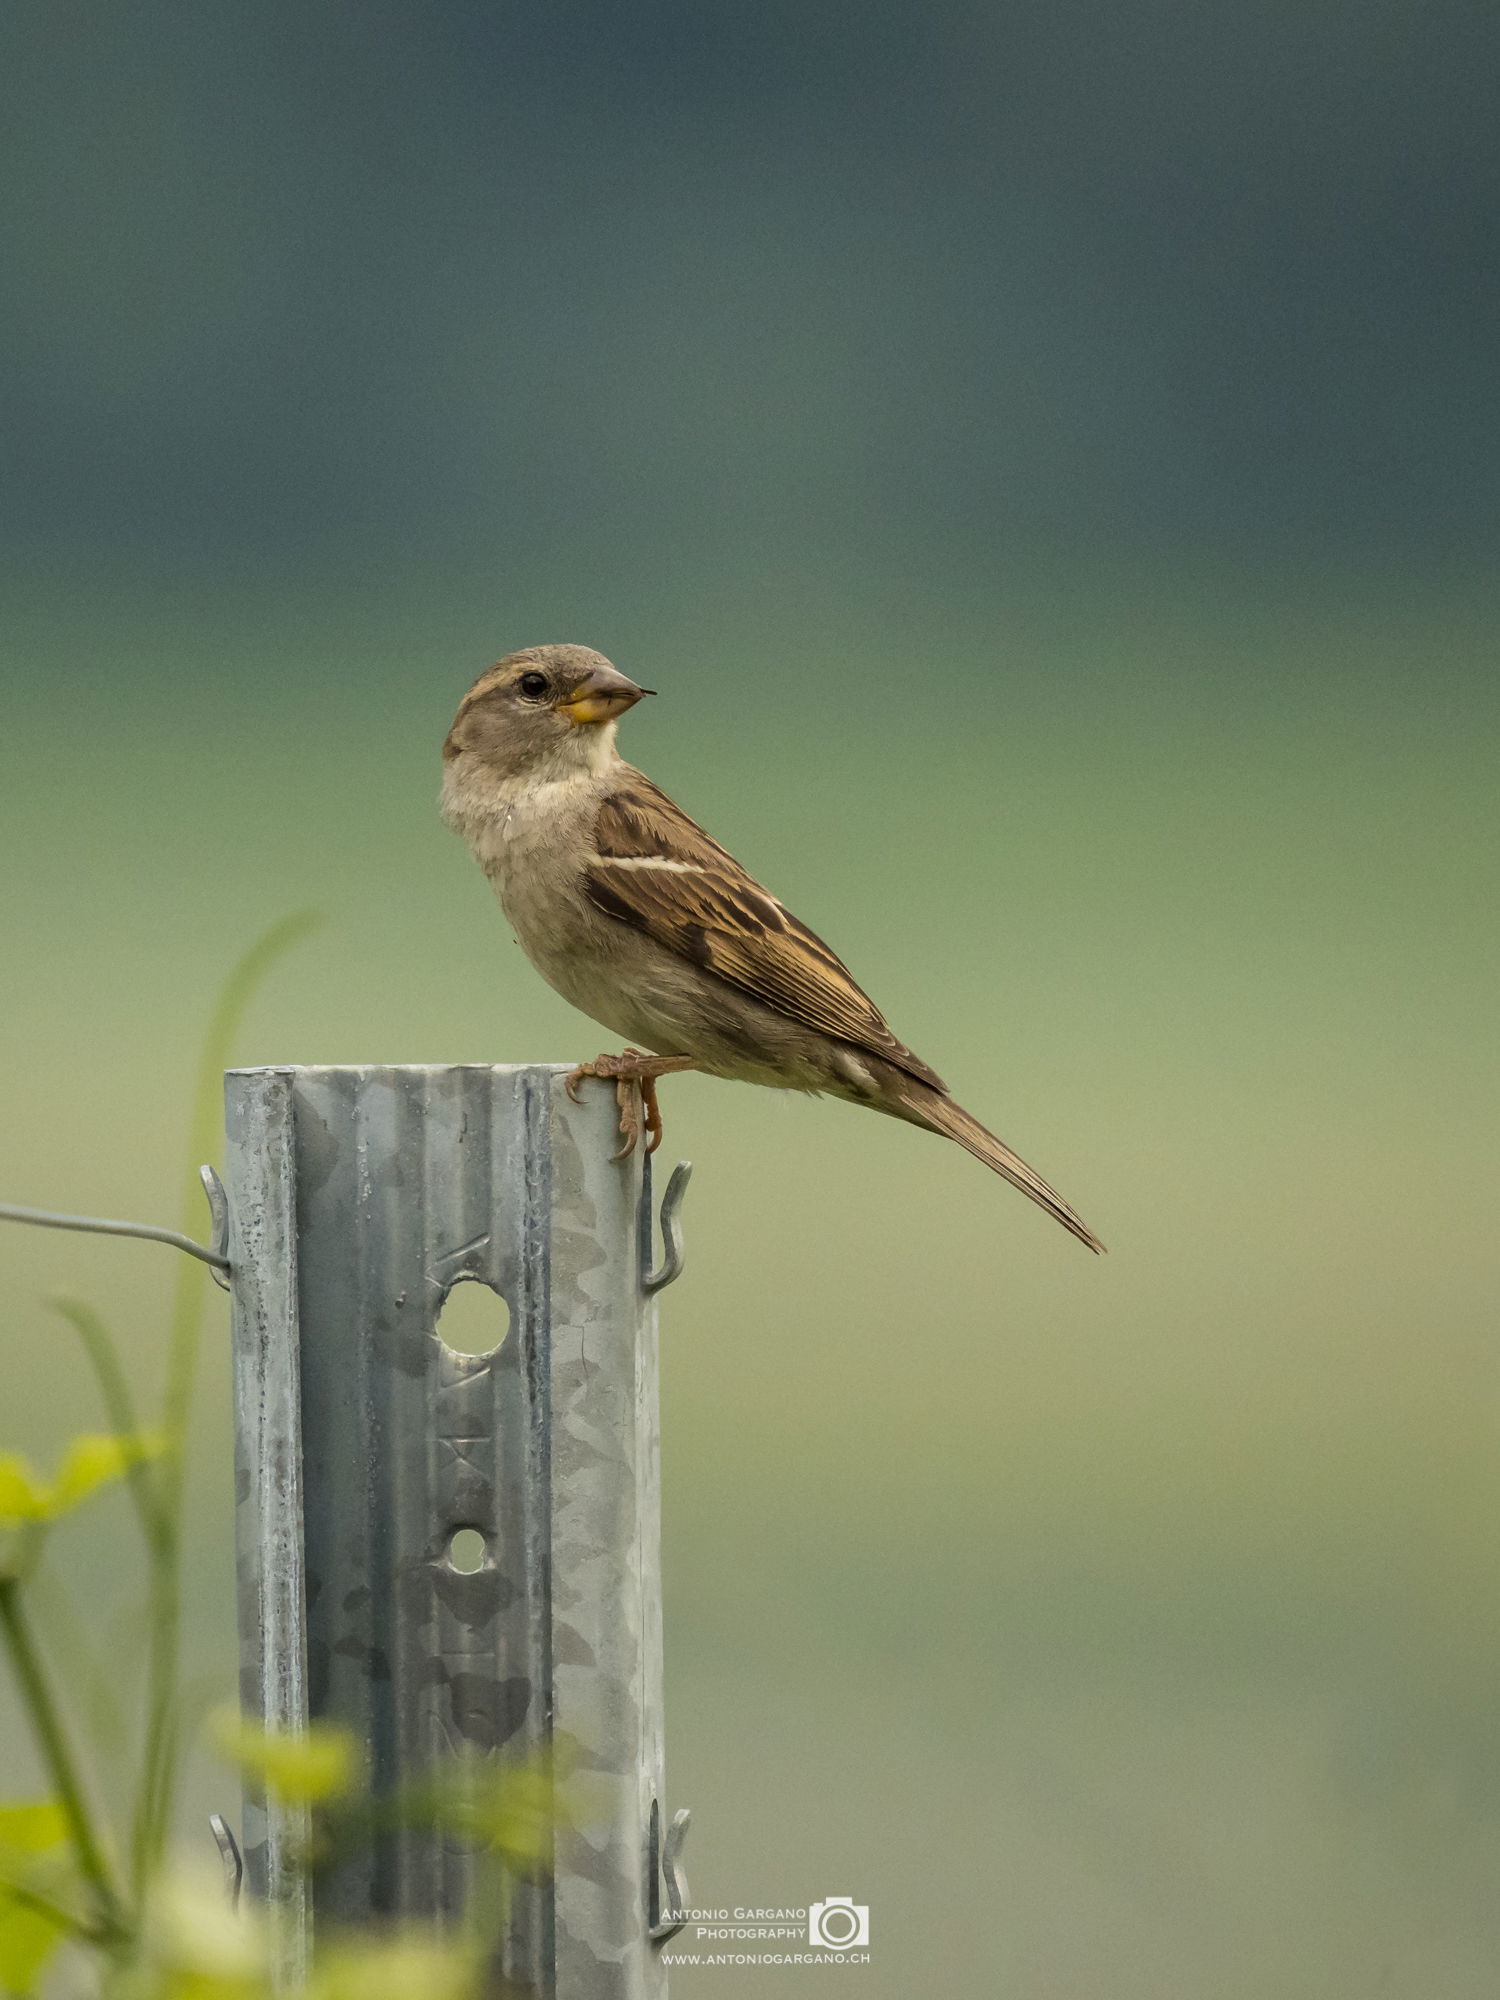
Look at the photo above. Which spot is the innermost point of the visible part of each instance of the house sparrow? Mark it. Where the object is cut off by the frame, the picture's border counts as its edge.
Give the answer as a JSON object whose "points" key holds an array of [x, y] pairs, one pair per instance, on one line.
{"points": [[634, 914]]}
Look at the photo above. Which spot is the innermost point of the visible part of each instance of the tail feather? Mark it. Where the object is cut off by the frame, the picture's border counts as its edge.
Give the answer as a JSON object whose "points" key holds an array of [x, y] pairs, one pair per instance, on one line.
{"points": [[940, 1114]]}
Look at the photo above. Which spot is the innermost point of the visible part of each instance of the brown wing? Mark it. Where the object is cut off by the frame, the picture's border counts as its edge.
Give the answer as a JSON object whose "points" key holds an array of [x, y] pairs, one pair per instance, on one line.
{"points": [[710, 911]]}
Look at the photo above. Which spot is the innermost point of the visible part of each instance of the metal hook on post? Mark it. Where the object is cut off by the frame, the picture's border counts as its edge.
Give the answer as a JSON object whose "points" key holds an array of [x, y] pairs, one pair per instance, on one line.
{"points": [[663, 1856], [218, 1209], [229, 1854], [670, 1267]]}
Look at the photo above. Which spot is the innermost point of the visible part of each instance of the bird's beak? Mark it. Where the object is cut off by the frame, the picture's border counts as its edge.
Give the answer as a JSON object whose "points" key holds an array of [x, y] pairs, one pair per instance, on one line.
{"points": [[603, 696]]}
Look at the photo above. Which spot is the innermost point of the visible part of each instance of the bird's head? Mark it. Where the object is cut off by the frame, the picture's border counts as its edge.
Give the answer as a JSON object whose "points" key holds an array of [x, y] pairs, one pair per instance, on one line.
{"points": [[547, 710]]}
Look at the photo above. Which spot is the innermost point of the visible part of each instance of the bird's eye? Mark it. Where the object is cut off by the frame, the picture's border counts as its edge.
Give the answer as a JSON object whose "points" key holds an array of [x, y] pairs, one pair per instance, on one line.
{"points": [[533, 685]]}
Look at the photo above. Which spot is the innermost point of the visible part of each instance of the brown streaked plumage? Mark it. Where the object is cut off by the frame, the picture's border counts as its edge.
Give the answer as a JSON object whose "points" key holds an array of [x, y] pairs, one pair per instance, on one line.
{"points": [[724, 921], [632, 912]]}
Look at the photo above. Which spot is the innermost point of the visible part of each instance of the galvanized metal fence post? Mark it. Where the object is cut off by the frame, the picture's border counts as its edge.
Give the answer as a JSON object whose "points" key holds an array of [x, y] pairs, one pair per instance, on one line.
{"points": [[359, 1197]]}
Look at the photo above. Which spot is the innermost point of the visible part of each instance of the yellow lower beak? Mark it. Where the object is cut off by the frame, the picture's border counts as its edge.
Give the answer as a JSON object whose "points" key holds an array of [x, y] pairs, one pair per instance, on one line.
{"points": [[595, 707], [602, 697]]}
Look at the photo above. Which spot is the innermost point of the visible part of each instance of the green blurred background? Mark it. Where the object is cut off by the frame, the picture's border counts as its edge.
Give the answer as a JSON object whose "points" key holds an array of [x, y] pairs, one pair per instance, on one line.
{"points": [[1044, 456]]}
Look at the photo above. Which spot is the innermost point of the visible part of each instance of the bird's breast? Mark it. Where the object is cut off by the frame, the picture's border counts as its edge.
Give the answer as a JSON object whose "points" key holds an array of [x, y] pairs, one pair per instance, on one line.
{"points": [[532, 845]]}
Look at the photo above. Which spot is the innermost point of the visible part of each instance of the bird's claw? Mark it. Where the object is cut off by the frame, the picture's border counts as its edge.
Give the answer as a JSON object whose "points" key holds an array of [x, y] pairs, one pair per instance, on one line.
{"points": [[628, 1096], [653, 1114], [635, 1094]]}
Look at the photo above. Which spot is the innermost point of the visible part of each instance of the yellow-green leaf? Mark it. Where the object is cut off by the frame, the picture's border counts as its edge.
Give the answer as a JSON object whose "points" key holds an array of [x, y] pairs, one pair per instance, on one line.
{"points": [[405, 1967], [515, 1809], [90, 1462], [200, 1949], [23, 1497], [28, 1938], [522, 1812], [29, 1829], [31, 1826], [307, 1768]]}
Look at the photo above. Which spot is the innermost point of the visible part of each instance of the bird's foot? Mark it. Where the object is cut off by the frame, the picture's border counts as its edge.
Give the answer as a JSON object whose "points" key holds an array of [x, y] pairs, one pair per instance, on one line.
{"points": [[633, 1074]]}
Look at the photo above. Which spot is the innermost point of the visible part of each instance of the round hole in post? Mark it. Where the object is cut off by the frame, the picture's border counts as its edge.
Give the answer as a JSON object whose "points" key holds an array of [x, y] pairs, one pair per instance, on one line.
{"points": [[473, 1318], [467, 1551]]}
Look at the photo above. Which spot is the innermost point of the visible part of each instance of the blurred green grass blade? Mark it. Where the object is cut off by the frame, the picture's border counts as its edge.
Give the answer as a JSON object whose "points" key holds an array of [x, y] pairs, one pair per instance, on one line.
{"points": [[44, 1713], [94, 1670], [160, 1753], [119, 1405], [224, 1025]]}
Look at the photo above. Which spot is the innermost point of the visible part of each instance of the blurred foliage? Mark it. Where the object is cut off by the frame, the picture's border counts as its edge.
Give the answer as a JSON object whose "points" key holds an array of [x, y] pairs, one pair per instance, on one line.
{"points": [[309, 1768], [154, 1935], [198, 1948], [33, 1842], [160, 1753], [91, 1461]]}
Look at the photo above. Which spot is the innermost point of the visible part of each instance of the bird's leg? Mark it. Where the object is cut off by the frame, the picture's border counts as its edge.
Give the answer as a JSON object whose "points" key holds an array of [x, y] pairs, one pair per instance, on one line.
{"points": [[634, 1075]]}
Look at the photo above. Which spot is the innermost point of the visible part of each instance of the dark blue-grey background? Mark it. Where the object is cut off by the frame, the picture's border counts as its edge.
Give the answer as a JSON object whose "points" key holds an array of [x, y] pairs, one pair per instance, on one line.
{"points": [[633, 302]]}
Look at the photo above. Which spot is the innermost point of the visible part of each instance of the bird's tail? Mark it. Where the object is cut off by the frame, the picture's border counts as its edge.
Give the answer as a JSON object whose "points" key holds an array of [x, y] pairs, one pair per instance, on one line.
{"points": [[923, 1106]]}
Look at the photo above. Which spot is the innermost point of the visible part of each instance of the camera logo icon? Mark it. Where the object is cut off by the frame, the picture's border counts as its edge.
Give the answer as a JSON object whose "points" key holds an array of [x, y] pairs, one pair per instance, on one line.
{"points": [[838, 1923]]}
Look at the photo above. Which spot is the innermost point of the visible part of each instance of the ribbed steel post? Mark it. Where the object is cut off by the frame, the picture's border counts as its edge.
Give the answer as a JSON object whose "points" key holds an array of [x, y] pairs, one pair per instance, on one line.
{"points": [[358, 1198]]}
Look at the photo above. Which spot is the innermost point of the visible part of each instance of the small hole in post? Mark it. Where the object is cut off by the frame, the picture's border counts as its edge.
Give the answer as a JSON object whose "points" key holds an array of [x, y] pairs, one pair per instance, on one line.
{"points": [[466, 1552], [473, 1319]]}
